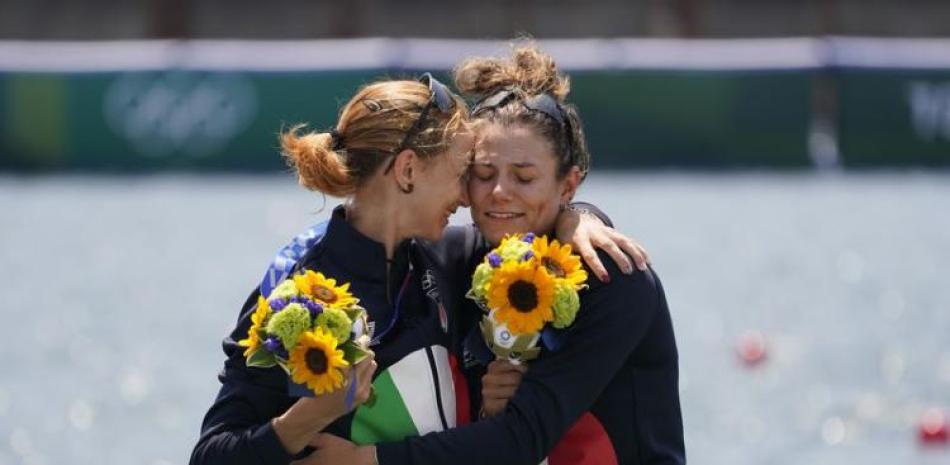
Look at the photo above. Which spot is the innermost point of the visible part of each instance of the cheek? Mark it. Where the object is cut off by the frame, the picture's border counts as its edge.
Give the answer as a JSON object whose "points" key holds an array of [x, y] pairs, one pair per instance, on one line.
{"points": [[544, 203], [478, 193]]}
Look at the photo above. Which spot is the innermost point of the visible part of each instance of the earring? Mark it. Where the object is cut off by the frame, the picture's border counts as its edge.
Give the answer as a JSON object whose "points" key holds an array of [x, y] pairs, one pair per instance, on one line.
{"points": [[407, 189]]}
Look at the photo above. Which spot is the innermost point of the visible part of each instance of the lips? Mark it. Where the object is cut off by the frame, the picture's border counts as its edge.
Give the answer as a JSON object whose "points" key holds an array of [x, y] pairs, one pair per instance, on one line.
{"points": [[503, 215]]}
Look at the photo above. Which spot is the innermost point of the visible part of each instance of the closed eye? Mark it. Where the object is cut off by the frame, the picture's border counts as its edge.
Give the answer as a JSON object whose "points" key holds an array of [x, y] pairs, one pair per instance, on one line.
{"points": [[483, 173]]}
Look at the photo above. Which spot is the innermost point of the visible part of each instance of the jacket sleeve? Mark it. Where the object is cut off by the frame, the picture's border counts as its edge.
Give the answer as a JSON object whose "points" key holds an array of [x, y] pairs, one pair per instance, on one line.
{"points": [[558, 387], [237, 428]]}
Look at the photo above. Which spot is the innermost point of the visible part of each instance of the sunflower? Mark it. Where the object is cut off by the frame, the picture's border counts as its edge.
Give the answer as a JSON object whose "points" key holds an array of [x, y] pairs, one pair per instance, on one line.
{"points": [[521, 295], [317, 362], [559, 261], [325, 290], [253, 340]]}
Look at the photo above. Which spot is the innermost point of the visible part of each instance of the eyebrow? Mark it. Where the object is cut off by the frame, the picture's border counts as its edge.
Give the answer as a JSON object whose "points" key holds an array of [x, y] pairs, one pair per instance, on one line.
{"points": [[520, 164]]}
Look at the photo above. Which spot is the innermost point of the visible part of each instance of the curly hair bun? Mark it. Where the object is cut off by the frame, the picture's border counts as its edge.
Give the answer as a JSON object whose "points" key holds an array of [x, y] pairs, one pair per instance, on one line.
{"points": [[528, 68]]}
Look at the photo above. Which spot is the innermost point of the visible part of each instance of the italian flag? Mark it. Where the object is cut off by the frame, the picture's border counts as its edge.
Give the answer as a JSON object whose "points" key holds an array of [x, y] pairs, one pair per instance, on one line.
{"points": [[408, 398]]}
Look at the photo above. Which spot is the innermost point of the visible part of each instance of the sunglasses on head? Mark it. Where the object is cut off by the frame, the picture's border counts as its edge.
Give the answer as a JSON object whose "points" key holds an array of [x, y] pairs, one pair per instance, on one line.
{"points": [[541, 103], [440, 97]]}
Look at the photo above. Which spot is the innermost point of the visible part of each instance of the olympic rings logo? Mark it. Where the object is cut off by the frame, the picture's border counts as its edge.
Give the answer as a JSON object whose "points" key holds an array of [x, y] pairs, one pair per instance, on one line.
{"points": [[162, 114]]}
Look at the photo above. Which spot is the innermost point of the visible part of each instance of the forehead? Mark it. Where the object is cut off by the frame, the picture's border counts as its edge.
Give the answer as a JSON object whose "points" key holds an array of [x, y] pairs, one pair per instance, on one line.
{"points": [[514, 144], [460, 148]]}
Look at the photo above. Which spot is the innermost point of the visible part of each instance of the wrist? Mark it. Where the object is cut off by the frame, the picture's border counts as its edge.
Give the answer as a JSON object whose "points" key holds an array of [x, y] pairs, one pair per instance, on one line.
{"points": [[583, 212], [295, 433], [578, 209], [288, 434]]}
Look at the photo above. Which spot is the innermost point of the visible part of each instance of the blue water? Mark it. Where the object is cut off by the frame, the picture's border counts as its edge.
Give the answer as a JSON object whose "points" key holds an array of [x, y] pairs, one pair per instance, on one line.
{"points": [[117, 291]]}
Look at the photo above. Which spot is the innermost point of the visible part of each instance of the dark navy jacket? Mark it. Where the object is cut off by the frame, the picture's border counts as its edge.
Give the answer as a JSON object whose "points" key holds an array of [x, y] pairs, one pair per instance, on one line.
{"points": [[413, 357], [608, 394]]}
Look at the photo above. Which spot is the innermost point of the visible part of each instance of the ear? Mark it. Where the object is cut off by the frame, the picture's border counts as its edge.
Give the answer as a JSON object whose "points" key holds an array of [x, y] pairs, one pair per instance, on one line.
{"points": [[569, 185], [406, 167]]}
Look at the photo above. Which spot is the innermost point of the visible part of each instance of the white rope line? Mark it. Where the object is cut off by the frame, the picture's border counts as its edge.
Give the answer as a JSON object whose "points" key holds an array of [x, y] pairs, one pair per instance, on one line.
{"points": [[436, 54]]}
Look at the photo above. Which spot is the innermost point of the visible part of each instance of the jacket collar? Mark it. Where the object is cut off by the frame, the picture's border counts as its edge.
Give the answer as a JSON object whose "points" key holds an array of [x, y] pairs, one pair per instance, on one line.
{"points": [[360, 256]]}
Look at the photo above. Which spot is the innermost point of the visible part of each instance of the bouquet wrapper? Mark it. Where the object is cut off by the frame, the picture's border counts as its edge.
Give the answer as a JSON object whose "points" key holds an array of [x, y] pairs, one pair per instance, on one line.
{"points": [[505, 345]]}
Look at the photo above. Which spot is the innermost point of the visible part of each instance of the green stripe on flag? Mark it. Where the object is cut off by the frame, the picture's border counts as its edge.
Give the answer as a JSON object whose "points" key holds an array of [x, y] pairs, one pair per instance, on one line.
{"points": [[387, 420]]}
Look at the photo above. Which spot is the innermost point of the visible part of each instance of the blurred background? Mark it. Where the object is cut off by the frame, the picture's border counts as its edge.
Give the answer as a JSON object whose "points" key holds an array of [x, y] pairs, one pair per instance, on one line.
{"points": [[785, 162]]}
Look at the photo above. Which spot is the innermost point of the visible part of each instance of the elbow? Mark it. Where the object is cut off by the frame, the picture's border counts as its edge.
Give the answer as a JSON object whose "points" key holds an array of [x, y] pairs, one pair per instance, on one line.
{"points": [[199, 455], [531, 436]]}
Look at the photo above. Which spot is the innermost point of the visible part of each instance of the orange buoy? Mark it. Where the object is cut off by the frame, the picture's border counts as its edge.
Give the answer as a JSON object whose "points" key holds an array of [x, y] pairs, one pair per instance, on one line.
{"points": [[933, 427], [751, 348]]}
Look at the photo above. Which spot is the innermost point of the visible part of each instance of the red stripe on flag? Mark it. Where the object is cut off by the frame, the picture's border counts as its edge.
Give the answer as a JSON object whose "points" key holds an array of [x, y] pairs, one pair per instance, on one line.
{"points": [[586, 443], [462, 409]]}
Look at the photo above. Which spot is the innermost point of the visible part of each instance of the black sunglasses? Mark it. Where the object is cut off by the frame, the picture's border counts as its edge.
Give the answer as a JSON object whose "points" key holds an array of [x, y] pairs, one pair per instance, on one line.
{"points": [[542, 103], [440, 97]]}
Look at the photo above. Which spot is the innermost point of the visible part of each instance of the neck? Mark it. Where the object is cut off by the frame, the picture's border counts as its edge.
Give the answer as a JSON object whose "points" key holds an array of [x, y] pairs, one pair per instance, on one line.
{"points": [[376, 215]]}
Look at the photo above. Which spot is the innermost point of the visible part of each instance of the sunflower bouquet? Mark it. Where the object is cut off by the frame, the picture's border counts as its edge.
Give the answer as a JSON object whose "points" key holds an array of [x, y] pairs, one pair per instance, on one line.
{"points": [[526, 284], [312, 328]]}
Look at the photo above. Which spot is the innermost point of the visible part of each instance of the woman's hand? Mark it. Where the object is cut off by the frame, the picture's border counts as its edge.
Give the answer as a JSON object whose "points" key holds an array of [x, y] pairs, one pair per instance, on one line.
{"points": [[584, 232], [333, 450], [499, 384], [310, 415]]}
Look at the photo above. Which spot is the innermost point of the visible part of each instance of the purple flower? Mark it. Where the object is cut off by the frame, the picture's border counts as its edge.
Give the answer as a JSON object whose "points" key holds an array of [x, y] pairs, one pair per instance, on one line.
{"points": [[494, 260], [272, 344], [528, 255], [529, 238], [278, 304], [315, 308]]}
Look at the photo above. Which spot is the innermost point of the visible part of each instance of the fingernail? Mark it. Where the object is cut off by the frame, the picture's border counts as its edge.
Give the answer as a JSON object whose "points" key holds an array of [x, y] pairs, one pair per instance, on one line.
{"points": [[605, 278]]}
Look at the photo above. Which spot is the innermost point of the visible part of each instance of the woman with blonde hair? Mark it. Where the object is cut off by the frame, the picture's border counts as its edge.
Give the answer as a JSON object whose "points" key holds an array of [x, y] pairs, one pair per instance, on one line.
{"points": [[399, 154], [603, 391]]}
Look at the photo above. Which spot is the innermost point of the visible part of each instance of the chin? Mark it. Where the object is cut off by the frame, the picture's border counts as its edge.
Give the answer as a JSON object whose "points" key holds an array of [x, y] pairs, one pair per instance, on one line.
{"points": [[434, 234], [495, 235]]}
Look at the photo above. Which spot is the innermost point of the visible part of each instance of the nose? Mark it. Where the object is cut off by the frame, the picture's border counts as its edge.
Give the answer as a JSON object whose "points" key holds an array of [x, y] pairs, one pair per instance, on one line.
{"points": [[500, 191]]}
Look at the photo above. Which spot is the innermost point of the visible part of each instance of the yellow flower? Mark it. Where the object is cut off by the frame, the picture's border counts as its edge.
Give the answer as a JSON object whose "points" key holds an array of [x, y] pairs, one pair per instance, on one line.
{"points": [[521, 295], [316, 362], [253, 340], [325, 290], [559, 261]]}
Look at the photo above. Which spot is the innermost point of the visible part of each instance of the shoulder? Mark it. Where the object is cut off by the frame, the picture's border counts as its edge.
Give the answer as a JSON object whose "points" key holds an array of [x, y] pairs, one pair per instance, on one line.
{"points": [[640, 289], [637, 282]]}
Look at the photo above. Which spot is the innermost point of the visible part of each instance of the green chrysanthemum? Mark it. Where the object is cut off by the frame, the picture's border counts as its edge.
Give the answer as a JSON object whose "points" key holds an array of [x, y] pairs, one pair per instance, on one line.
{"points": [[480, 280], [513, 248], [566, 304], [284, 290], [289, 323], [335, 322]]}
